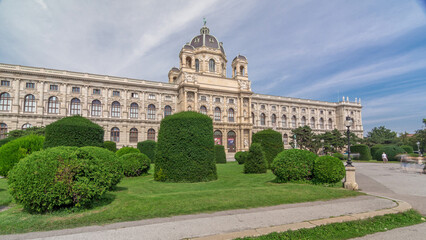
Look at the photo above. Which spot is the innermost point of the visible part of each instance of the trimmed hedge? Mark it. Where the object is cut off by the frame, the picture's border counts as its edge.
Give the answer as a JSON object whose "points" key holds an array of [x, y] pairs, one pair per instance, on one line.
{"points": [[15, 150], [185, 149], [328, 169], [219, 154], [6, 140], [110, 145], [255, 162], [293, 165], [74, 131], [363, 150], [408, 149], [148, 148], [338, 155], [374, 149], [391, 151], [272, 143], [241, 157], [58, 177], [126, 150], [135, 164]]}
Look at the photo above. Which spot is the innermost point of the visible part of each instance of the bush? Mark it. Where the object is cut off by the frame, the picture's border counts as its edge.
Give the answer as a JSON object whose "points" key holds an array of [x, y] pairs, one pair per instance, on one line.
{"points": [[408, 149], [328, 169], [271, 142], [293, 165], [6, 140], [339, 156], [148, 148], [185, 149], [74, 131], [126, 150], [24, 132], [374, 149], [391, 152], [241, 157], [135, 164], [58, 177], [15, 150], [219, 154], [110, 145], [363, 150], [255, 162]]}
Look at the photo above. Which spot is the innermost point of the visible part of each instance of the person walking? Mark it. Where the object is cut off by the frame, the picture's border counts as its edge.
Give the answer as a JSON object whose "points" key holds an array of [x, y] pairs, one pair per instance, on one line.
{"points": [[384, 157]]}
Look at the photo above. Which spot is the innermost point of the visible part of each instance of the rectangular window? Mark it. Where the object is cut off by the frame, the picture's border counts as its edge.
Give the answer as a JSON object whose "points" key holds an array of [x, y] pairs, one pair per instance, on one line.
{"points": [[217, 100], [274, 108], [168, 98], [151, 96], [30, 85], [203, 98], [303, 110], [75, 89], [312, 111], [284, 109], [116, 93], [5, 83], [53, 87], [135, 95], [262, 107], [321, 112], [97, 91], [231, 101]]}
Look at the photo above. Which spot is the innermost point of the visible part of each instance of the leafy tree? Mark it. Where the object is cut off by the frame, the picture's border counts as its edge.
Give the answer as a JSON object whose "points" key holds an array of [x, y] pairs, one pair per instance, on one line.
{"points": [[306, 139], [381, 135], [333, 141]]}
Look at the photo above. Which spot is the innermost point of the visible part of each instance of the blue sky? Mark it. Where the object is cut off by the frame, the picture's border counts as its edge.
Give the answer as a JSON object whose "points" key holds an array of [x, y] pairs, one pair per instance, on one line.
{"points": [[373, 50]]}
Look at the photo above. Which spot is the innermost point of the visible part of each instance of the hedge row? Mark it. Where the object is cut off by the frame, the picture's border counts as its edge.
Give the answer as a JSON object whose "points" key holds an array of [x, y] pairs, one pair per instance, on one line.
{"points": [[391, 151], [363, 150], [148, 148], [271, 142], [219, 154]]}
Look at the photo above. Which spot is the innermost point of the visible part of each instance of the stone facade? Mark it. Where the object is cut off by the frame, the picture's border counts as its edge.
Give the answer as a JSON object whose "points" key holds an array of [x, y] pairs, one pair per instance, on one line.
{"points": [[130, 110]]}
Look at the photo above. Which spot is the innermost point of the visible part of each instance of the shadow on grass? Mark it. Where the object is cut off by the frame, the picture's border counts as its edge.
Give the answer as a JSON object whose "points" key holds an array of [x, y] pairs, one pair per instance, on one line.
{"points": [[1, 189], [119, 189]]}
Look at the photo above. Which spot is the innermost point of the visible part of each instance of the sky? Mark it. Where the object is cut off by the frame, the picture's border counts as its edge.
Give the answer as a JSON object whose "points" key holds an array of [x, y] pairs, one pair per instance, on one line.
{"points": [[312, 49]]}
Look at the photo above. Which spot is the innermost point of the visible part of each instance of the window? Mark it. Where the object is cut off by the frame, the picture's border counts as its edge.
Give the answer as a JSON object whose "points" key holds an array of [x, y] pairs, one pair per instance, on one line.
{"points": [[197, 65], [75, 106], [231, 101], [242, 71], [217, 135], [330, 124], [321, 112], [203, 98], [284, 121], [5, 83], [53, 105], [285, 139], [96, 108], [293, 122], [75, 89], [134, 109], [116, 93], [329, 112], [262, 119], [321, 123], [352, 112], [115, 134], [203, 110], [303, 110], [231, 115], [303, 121], [5, 101], [133, 137], [217, 100], [115, 109], [252, 118], [30, 85], [151, 96], [135, 95], [97, 91], [167, 111], [168, 98], [312, 111], [273, 120], [312, 122], [217, 114], [151, 112], [262, 107], [252, 105], [29, 103], [284, 109], [188, 62], [231, 141], [294, 110], [3, 130], [151, 134], [274, 108], [26, 125], [212, 65], [53, 87]]}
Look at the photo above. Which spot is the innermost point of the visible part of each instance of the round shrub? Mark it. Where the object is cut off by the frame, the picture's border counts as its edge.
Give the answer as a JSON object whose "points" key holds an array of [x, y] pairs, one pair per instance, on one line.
{"points": [[56, 178], [110, 145], [255, 162], [408, 149], [74, 131], [328, 169], [148, 148], [135, 164], [15, 150], [391, 151], [126, 150], [374, 149], [219, 154], [293, 164], [6, 140], [271, 142], [241, 157], [363, 150], [185, 149], [339, 155]]}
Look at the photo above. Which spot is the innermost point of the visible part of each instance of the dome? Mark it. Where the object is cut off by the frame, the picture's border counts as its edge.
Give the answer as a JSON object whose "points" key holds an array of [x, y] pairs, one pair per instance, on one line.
{"points": [[207, 40], [188, 47], [174, 69], [241, 57]]}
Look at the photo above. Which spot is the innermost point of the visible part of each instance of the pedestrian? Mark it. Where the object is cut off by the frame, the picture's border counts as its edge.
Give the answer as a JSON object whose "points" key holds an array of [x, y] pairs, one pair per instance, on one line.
{"points": [[404, 161], [384, 157]]}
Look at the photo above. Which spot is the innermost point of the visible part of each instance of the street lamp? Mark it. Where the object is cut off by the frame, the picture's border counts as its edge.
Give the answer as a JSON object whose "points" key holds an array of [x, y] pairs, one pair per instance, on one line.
{"points": [[295, 141], [418, 147], [348, 123]]}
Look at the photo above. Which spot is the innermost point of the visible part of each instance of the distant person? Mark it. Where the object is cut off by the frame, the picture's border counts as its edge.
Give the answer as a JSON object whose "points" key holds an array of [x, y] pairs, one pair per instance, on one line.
{"points": [[404, 161], [384, 157]]}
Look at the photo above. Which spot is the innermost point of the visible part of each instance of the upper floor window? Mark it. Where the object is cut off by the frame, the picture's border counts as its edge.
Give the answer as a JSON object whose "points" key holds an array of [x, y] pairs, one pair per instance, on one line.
{"points": [[5, 83], [151, 96], [75, 89], [3, 130], [231, 115], [203, 110], [5, 101], [30, 85], [75, 107], [294, 110], [274, 120], [151, 112], [54, 87], [321, 123], [231, 101], [312, 123], [134, 109], [293, 122], [312, 111], [115, 134], [321, 112], [167, 111], [217, 114], [284, 109], [116, 93], [329, 112], [252, 105], [168, 98], [284, 121], [330, 124], [26, 125], [197, 65], [29, 103], [217, 100], [115, 109], [135, 95], [96, 108], [151, 134], [303, 110], [212, 65], [53, 105], [203, 98], [133, 137], [262, 107], [96, 91], [274, 108], [262, 119]]}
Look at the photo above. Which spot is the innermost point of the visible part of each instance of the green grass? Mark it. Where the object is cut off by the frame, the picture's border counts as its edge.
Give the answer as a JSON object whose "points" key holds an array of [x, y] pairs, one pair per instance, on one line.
{"points": [[5, 198], [350, 229], [142, 198]]}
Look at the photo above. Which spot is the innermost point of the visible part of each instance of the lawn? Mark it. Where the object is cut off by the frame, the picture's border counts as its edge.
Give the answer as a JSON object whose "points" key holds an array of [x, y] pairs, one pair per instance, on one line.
{"points": [[142, 198]]}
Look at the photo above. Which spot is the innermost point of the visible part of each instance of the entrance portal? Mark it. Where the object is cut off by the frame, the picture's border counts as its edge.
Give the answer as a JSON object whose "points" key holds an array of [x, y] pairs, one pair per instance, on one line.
{"points": [[232, 138]]}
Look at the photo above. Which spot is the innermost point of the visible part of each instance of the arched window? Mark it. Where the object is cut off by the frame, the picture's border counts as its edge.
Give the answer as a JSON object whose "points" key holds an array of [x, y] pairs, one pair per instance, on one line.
{"points": [[274, 120], [115, 134], [75, 106], [29, 103], [133, 137], [321, 123], [96, 108], [151, 111], [262, 119], [313, 123], [230, 115], [167, 111], [232, 138], [134, 110], [203, 110], [197, 65], [3, 130], [5, 101], [285, 139], [252, 118], [115, 109], [26, 125], [217, 114], [303, 121], [242, 71], [212, 65], [284, 121], [53, 105], [293, 122], [188, 62], [151, 134], [330, 124], [217, 135]]}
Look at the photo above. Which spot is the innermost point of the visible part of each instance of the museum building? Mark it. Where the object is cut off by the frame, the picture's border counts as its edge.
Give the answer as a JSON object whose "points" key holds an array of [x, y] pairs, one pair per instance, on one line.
{"points": [[130, 110]]}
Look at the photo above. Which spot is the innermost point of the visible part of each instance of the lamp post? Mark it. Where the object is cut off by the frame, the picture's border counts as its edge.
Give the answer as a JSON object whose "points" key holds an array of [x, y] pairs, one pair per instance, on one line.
{"points": [[350, 182], [295, 141], [418, 148], [348, 124]]}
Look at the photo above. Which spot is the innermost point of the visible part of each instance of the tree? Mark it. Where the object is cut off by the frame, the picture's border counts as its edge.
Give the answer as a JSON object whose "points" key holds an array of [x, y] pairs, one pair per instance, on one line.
{"points": [[332, 141], [306, 139], [381, 135]]}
